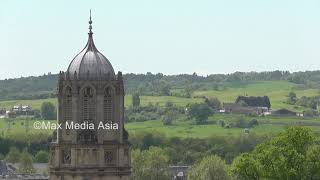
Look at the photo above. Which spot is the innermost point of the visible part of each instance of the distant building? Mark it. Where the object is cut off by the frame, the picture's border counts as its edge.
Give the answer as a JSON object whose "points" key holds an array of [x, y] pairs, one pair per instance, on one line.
{"points": [[22, 110], [246, 131], [179, 172], [299, 114], [238, 109], [10, 114], [283, 112], [267, 113]]}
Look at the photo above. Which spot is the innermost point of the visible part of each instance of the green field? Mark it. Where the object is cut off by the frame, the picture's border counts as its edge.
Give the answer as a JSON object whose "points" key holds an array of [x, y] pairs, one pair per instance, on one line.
{"points": [[267, 125], [145, 100], [187, 128], [36, 104], [276, 90]]}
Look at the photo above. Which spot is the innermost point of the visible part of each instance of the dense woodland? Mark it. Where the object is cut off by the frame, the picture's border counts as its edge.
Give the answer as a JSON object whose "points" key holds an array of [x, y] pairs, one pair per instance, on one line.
{"points": [[156, 84]]}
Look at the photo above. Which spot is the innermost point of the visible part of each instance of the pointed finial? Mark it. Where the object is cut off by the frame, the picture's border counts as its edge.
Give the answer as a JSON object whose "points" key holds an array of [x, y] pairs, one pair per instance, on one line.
{"points": [[90, 24]]}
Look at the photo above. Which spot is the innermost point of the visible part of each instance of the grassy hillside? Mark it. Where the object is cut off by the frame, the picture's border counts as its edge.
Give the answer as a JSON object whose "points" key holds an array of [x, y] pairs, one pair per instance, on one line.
{"points": [[276, 90]]}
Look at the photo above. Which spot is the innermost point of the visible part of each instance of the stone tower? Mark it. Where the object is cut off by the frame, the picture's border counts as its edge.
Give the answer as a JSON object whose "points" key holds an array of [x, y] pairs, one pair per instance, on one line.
{"points": [[90, 94]]}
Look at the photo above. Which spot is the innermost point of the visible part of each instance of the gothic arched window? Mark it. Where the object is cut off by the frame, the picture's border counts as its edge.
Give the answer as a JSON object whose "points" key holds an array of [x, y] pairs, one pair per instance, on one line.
{"points": [[88, 104], [108, 105], [68, 104]]}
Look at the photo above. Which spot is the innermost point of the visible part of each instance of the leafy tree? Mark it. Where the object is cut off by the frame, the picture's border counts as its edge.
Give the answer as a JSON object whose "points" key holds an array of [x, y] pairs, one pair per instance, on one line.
{"points": [[313, 161], [213, 102], [292, 97], [209, 168], [135, 99], [262, 101], [48, 111], [41, 157], [138, 160], [36, 113], [13, 155], [157, 163], [253, 122], [240, 123], [168, 104], [151, 139], [26, 163], [310, 102], [171, 113], [246, 167], [221, 123], [200, 112], [286, 156], [167, 120], [164, 88], [189, 89], [150, 164]]}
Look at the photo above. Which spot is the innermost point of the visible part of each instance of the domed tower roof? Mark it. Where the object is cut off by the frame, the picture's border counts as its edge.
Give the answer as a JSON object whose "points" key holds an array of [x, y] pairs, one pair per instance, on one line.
{"points": [[90, 63]]}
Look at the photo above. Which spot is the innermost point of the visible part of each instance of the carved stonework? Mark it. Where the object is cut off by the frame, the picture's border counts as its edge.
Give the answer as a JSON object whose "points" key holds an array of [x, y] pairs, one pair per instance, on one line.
{"points": [[108, 107], [109, 157], [66, 156], [87, 136]]}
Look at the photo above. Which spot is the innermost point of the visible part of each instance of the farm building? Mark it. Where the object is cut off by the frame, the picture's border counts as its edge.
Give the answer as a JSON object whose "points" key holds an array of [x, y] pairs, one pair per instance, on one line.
{"points": [[239, 109], [22, 110]]}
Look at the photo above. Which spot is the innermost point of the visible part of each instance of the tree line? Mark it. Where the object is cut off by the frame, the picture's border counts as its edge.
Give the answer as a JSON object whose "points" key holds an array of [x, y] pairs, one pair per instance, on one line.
{"points": [[44, 86], [254, 101]]}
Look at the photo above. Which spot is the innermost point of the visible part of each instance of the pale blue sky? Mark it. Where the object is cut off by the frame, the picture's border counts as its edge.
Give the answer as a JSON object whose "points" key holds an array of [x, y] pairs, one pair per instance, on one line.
{"points": [[168, 36]]}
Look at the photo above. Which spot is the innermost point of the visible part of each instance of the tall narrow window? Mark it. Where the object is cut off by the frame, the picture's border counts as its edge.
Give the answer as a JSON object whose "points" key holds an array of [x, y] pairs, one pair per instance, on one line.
{"points": [[68, 104], [108, 105], [88, 105]]}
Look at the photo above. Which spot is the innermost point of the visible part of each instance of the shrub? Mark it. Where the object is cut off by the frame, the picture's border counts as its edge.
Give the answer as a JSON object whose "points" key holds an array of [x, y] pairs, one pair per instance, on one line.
{"points": [[48, 111], [167, 120], [213, 102], [241, 123], [200, 112], [221, 123], [41, 157], [253, 122], [13, 155], [26, 163], [135, 100]]}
